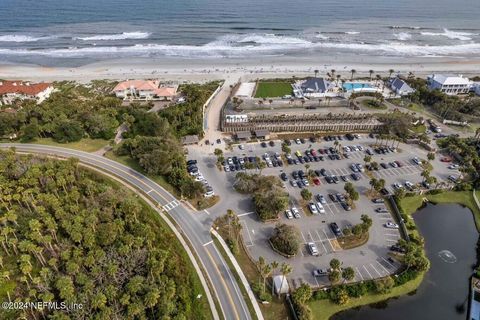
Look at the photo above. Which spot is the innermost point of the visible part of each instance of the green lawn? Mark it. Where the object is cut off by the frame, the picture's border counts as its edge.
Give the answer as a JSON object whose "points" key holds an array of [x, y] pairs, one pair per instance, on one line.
{"points": [[86, 144], [273, 89], [324, 309], [415, 107]]}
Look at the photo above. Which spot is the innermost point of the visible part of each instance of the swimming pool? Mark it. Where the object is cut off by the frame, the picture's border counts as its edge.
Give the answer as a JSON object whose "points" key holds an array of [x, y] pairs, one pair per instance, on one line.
{"points": [[350, 86]]}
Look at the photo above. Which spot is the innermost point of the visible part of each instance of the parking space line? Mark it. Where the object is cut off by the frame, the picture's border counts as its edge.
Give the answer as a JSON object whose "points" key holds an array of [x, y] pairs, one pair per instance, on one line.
{"points": [[388, 262], [392, 234], [245, 214], [381, 265], [304, 240], [321, 241], [367, 271], [390, 240], [359, 273], [329, 242], [248, 233], [371, 265]]}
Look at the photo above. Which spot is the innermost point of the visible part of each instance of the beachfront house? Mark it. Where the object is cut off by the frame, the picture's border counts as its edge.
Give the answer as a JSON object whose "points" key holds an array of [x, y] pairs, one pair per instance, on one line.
{"points": [[23, 90], [451, 85], [476, 88], [144, 90], [400, 87]]}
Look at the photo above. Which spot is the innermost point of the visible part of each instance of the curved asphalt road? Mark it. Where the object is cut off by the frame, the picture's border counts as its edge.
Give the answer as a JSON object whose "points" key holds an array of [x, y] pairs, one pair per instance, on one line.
{"points": [[195, 226]]}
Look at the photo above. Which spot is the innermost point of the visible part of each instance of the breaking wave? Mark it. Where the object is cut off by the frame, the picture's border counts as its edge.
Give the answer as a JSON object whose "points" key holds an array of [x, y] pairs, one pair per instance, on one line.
{"points": [[22, 38], [119, 36], [454, 35], [403, 36], [252, 45]]}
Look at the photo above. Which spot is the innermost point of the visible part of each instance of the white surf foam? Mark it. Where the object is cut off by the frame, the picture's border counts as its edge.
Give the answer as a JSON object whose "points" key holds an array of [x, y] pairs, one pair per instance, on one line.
{"points": [[454, 35], [403, 36], [22, 38], [119, 36], [352, 32], [252, 45]]}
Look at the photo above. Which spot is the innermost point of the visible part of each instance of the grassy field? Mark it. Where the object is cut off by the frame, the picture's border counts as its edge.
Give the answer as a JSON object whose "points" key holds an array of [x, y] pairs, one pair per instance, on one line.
{"points": [[465, 198], [415, 107], [273, 89], [86, 144], [324, 309]]}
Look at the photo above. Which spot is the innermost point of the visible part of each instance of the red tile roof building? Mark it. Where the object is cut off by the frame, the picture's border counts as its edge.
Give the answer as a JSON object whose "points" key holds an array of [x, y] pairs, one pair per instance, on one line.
{"points": [[12, 90], [144, 90]]}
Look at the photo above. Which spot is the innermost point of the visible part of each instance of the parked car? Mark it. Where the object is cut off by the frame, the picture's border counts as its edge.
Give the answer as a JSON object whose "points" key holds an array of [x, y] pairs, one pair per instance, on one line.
{"points": [[288, 214], [312, 248], [381, 210], [321, 199], [283, 176], [391, 225], [335, 229], [320, 272], [397, 248], [313, 208], [295, 213], [316, 181], [345, 206], [378, 200], [320, 207], [332, 197]]}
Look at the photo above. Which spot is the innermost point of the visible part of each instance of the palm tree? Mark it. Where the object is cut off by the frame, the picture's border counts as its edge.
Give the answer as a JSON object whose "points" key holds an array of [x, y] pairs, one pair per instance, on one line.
{"points": [[371, 73], [274, 266], [332, 72], [390, 72], [353, 71], [338, 78], [316, 72], [285, 270]]}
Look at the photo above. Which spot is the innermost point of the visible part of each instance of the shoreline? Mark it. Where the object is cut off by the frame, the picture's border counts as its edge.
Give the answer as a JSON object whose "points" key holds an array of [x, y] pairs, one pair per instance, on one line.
{"points": [[204, 70]]}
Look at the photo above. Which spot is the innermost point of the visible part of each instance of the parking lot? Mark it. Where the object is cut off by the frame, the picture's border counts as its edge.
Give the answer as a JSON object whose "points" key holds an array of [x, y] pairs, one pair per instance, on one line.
{"points": [[371, 260]]}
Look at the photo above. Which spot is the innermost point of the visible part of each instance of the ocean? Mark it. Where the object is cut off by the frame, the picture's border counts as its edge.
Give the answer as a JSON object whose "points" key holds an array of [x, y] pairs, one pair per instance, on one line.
{"points": [[77, 32]]}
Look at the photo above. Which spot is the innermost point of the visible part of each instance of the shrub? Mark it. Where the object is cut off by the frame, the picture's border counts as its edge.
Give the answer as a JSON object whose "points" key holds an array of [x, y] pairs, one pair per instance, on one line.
{"points": [[286, 239]]}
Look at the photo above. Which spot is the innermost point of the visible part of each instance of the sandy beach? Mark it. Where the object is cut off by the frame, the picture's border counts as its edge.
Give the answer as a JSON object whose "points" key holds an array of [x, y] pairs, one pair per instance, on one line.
{"points": [[201, 70]]}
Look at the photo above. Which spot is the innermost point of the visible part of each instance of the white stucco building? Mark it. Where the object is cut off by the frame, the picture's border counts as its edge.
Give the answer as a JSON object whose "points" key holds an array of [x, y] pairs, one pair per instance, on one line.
{"points": [[451, 85], [23, 90]]}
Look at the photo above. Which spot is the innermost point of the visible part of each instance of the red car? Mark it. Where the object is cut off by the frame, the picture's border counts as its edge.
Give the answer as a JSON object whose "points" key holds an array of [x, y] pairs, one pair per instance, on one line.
{"points": [[316, 181], [399, 164], [314, 153], [446, 159]]}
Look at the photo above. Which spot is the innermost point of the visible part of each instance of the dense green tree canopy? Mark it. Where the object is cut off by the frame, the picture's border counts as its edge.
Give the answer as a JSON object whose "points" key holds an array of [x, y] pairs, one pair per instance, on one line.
{"points": [[68, 234]]}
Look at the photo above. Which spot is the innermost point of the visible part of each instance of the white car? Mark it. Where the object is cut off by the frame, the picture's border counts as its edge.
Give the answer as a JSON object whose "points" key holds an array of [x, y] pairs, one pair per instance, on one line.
{"points": [[297, 141], [397, 185], [453, 166], [288, 214], [209, 194], [320, 208], [226, 168], [305, 182], [391, 225], [312, 248], [295, 212], [241, 147], [230, 161], [313, 208], [293, 183], [199, 177], [408, 184], [321, 198]]}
